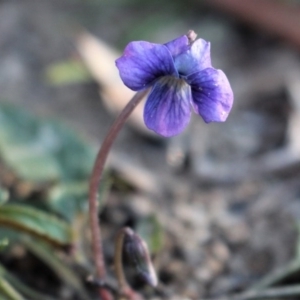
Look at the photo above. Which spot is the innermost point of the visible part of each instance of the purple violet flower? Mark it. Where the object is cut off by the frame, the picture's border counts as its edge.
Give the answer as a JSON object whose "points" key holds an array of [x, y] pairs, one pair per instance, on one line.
{"points": [[181, 76]]}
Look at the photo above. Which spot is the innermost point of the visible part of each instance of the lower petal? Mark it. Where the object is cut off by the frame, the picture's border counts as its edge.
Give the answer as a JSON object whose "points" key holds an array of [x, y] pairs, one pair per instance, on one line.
{"points": [[167, 110], [212, 94]]}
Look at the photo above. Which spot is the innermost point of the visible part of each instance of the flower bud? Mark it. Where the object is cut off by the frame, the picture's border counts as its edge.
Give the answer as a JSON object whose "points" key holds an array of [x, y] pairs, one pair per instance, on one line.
{"points": [[136, 254]]}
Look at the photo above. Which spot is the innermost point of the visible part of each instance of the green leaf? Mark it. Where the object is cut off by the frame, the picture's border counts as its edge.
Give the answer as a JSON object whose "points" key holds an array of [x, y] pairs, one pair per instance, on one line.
{"points": [[48, 255], [41, 151], [297, 254], [65, 273], [8, 234], [3, 297], [151, 231], [21, 287], [3, 196], [71, 199], [3, 243], [8, 291], [67, 72], [37, 223]]}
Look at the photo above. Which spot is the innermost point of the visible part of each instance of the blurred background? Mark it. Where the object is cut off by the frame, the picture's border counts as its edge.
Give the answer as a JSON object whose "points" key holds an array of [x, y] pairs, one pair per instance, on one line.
{"points": [[219, 205]]}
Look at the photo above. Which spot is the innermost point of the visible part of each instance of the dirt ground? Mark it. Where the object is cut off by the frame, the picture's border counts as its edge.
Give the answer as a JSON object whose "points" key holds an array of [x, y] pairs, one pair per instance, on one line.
{"points": [[226, 195]]}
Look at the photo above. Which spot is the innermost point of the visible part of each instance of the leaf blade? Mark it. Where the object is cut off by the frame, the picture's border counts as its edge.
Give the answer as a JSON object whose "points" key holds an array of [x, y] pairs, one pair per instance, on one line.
{"points": [[37, 223]]}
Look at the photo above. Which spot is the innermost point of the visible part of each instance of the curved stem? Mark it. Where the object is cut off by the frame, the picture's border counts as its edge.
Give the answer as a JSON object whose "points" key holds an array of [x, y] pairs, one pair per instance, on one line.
{"points": [[94, 183]]}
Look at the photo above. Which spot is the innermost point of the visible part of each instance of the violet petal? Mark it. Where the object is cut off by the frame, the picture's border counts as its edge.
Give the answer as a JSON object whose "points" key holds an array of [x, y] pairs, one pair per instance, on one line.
{"points": [[178, 46], [196, 58], [212, 94], [167, 110], [143, 62]]}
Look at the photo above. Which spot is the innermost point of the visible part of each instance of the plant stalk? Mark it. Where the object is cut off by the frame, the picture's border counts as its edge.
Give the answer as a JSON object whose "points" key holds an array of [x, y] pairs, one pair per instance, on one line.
{"points": [[93, 188]]}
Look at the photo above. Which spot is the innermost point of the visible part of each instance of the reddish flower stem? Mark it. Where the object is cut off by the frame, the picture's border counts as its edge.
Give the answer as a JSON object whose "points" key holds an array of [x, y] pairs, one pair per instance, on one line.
{"points": [[94, 184]]}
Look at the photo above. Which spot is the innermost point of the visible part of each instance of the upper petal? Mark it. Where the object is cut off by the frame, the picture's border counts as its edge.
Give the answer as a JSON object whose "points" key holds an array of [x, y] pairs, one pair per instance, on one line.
{"points": [[178, 46], [143, 62], [167, 110], [194, 59], [212, 94]]}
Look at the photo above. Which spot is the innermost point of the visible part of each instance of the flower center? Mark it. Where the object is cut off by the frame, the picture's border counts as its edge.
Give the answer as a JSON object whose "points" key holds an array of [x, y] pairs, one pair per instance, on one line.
{"points": [[173, 82]]}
